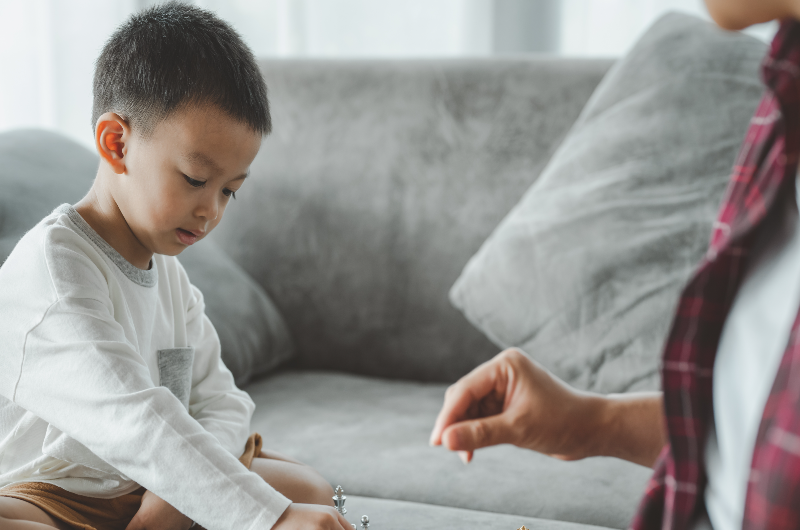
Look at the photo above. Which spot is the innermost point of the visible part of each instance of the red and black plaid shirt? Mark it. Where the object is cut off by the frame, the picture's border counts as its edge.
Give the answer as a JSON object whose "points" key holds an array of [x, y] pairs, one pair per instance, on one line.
{"points": [[766, 167]]}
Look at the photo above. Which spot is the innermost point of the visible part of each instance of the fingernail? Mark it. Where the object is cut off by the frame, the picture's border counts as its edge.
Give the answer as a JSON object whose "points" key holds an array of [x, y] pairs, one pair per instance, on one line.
{"points": [[464, 457]]}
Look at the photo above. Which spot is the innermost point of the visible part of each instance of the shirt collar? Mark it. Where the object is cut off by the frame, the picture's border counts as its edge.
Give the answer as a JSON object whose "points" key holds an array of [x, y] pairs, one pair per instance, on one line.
{"points": [[781, 68]]}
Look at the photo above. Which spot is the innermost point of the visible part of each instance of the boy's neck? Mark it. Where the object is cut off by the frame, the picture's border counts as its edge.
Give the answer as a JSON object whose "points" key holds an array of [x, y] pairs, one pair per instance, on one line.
{"points": [[99, 209]]}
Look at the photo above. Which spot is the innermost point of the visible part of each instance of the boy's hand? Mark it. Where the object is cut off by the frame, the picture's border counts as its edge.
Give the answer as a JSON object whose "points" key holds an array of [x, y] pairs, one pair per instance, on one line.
{"points": [[311, 517], [511, 399], [157, 514]]}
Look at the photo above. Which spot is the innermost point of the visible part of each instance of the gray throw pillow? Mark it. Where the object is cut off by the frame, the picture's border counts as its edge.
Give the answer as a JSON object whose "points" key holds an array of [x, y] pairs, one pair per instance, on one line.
{"points": [[254, 336], [40, 170], [584, 272]]}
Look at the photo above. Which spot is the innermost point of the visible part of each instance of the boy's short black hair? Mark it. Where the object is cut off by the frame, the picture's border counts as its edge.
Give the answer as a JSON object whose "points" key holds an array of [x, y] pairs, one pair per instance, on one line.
{"points": [[172, 55]]}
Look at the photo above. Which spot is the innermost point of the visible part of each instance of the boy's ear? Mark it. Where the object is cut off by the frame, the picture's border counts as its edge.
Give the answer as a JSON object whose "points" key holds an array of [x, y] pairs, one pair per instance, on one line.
{"points": [[111, 136]]}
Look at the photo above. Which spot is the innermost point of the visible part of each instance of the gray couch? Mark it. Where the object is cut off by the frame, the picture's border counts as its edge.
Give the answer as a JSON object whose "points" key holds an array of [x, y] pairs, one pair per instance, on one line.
{"points": [[381, 179]]}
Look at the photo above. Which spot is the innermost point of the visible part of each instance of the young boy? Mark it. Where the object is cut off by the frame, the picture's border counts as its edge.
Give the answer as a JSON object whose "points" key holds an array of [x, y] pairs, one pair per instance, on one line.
{"points": [[115, 409], [724, 436]]}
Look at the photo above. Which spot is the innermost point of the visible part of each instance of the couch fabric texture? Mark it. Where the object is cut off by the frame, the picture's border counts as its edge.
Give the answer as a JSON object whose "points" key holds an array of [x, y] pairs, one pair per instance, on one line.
{"points": [[585, 271], [371, 436], [401, 515], [379, 181]]}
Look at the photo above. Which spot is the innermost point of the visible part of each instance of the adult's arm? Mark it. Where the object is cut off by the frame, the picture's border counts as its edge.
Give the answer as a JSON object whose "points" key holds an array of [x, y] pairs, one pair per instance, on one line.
{"points": [[512, 399]]}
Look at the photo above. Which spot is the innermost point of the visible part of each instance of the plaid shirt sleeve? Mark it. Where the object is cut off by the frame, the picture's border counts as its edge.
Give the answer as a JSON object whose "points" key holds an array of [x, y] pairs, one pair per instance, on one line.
{"points": [[765, 168]]}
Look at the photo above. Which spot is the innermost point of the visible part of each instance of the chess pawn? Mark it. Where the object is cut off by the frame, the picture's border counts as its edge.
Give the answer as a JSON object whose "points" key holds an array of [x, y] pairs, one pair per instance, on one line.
{"points": [[339, 500], [364, 522]]}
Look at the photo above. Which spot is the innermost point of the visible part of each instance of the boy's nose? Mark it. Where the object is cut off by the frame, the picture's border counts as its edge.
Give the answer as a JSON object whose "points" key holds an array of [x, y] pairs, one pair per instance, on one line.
{"points": [[209, 207]]}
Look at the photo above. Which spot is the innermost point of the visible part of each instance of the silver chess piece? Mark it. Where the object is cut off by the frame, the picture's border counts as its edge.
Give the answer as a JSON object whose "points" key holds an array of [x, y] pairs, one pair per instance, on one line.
{"points": [[364, 522], [339, 500]]}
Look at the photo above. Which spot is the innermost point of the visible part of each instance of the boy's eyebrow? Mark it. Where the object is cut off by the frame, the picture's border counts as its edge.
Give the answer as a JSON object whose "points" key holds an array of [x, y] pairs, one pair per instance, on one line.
{"points": [[203, 160]]}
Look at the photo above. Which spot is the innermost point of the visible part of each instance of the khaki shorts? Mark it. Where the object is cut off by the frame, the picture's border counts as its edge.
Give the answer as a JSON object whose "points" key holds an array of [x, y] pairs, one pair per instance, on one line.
{"points": [[89, 513]]}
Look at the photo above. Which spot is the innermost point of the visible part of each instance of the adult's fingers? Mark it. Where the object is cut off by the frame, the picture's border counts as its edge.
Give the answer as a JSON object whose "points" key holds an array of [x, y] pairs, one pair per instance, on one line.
{"points": [[468, 391], [466, 436]]}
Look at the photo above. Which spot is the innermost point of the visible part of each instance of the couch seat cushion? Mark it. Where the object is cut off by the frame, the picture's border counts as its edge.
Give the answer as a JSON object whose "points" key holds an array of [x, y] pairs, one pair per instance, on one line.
{"points": [[401, 515], [371, 436]]}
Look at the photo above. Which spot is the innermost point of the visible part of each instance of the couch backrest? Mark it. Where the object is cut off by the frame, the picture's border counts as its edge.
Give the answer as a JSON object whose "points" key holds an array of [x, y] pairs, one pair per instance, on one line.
{"points": [[380, 180]]}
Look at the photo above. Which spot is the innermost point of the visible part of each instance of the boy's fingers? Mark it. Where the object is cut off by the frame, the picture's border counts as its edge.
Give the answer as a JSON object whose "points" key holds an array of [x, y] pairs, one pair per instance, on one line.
{"points": [[343, 522], [469, 435], [461, 396]]}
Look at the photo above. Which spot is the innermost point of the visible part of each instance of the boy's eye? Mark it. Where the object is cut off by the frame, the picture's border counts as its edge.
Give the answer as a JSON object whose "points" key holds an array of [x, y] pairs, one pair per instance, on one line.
{"points": [[193, 182], [201, 183]]}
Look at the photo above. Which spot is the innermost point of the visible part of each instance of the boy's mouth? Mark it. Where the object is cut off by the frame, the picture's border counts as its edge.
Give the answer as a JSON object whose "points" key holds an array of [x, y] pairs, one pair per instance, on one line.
{"points": [[186, 237]]}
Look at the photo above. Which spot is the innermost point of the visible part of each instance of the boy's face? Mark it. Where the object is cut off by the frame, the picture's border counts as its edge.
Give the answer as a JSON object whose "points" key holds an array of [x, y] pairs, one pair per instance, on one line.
{"points": [[739, 14], [178, 181]]}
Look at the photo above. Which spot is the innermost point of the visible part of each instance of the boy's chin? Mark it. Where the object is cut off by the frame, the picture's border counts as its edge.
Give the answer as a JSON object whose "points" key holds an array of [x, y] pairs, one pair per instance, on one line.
{"points": [[170, 250]]}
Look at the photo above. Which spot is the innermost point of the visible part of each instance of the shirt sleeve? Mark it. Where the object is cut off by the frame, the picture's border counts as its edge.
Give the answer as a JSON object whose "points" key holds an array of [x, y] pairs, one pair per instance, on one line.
{"points": [[80, 374], [215, 401]]}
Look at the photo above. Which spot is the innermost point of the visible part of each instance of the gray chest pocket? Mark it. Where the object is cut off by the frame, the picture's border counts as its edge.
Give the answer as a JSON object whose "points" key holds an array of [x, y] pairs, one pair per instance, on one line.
{"points": [[175, 371]]}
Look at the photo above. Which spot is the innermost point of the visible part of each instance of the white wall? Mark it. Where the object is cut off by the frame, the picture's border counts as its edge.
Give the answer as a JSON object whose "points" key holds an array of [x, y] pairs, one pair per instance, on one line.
{"points": [[47, 53], [48, 47], [597, 28], [360, 28]]}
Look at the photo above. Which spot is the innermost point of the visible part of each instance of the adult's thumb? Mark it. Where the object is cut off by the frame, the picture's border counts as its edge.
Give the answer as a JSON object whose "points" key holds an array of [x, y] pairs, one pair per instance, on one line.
{"points": [[473, 434]]}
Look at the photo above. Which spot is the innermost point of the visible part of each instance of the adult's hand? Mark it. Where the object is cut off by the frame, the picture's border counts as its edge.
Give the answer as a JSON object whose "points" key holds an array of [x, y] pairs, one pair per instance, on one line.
{"points": [[512, 399], [311, 517]]}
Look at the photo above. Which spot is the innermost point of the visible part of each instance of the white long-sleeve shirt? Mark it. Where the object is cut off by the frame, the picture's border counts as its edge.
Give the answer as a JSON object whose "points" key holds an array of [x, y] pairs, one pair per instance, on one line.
{"points": [[86, 342]]}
